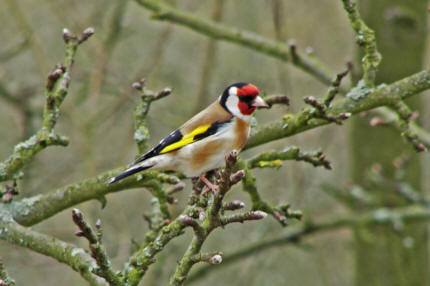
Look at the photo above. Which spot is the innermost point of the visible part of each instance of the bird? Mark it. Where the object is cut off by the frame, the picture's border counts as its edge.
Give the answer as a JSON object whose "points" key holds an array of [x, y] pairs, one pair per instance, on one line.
{"points": [[202, 143]]}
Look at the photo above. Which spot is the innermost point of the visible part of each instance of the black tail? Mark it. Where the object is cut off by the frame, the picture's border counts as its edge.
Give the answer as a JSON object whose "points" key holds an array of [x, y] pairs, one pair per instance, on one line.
{"points": [[127, 173]]}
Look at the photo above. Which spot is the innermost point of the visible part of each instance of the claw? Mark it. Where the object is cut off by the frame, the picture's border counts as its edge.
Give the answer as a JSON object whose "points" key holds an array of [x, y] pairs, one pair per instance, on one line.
{"points": [[210, 186]]}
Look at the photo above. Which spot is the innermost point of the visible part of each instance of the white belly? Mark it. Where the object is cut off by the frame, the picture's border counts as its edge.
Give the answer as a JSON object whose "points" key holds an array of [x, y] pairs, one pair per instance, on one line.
{"points": [[209, 153]]}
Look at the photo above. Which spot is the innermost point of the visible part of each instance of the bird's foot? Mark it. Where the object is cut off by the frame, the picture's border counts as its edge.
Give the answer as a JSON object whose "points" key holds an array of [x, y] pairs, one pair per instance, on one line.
{"points": [[210, 187]]}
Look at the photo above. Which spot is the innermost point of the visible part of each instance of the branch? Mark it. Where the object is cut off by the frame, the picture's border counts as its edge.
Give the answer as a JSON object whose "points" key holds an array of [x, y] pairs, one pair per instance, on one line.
{"points": [[272, 159], [403, 123], [57, 87], [5, 279], [98, 252], [277, 99], [145, 255], [210, 258], [310, 64], [242, 217], [63, 252], [165, 12], [418, 136], [210, 220], [141, 134], [411, 195], [320, 109], [280, 213], [366, 40], [296, 234], [32, 210], [357, 100]]}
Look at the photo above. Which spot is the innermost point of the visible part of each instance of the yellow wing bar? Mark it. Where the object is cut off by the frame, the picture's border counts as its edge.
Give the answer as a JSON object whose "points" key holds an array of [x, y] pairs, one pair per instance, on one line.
{"points": [[186, 139]]}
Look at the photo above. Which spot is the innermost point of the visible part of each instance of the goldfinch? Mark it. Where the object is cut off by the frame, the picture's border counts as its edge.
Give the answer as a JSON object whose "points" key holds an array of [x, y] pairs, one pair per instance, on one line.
{"points": [[201, 143]]}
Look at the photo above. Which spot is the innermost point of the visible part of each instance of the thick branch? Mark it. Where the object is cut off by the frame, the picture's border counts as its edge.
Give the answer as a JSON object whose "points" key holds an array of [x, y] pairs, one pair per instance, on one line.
{"points": [[35, 209], [357, 100], [63, 252]]}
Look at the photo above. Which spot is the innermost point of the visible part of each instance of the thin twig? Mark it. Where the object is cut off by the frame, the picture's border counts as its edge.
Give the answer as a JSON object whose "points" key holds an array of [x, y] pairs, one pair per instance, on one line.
{"points": [[57, 87], [98, 252], [297, 234]]}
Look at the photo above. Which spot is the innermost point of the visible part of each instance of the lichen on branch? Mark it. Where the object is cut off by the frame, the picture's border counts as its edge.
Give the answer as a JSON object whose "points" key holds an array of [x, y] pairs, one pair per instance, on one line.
{"points": [[57, 88], [365, 38]]}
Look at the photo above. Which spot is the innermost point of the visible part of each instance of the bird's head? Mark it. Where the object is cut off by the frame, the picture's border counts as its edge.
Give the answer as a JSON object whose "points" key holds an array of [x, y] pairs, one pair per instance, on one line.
{"points": [[241, 99]]}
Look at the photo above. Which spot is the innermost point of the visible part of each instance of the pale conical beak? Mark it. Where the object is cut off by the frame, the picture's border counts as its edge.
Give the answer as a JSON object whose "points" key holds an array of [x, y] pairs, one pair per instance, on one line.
{"points": [[259, 102]]}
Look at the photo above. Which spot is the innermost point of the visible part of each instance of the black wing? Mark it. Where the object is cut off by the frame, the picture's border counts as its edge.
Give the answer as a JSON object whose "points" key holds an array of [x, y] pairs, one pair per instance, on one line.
{"points": [[173, 137], [177, 136]]}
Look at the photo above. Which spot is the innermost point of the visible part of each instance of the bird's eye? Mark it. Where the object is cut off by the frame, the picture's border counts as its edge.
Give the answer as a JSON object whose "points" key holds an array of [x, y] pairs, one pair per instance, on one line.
{"points": [[246, 98]]}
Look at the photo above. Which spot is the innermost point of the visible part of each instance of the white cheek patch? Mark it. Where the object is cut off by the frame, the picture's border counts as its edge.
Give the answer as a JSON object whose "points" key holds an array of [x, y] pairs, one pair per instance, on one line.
{"points": [[232, 105]]}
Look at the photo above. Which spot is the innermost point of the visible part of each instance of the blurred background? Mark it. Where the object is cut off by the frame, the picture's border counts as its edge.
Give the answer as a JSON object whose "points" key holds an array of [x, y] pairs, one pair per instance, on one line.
{"points": [[97, 115]]}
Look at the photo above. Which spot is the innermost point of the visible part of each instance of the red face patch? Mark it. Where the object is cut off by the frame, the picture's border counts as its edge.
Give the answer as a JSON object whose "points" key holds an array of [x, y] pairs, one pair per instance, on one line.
{"points": [[248, 89], [245, 109]]}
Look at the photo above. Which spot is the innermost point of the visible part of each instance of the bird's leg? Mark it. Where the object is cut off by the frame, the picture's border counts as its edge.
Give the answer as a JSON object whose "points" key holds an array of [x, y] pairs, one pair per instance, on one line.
{"points": [[211, 187]]}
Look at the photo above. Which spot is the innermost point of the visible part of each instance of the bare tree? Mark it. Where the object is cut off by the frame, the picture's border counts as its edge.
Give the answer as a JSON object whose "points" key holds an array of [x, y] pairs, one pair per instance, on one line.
{"points": [[205, 213]]}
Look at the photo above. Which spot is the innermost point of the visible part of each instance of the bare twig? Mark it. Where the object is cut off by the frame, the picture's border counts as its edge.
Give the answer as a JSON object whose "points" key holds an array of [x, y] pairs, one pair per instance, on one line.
{"points": [[280, 213], [357, 100], [98, 252], [321, 109], [403, 123], [297, 233], [365, 38], [141, 134], [273, 159], [277, 99], [57, 88]]}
